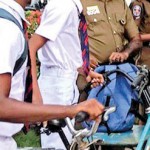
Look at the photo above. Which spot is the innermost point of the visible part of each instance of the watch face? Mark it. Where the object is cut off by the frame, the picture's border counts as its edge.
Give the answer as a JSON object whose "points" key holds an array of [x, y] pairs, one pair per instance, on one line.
{"points": [[137, 11]]}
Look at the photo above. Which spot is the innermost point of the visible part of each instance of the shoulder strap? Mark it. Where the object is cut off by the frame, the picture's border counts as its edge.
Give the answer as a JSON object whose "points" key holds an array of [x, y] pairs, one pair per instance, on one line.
{"points": [[6, 15]]}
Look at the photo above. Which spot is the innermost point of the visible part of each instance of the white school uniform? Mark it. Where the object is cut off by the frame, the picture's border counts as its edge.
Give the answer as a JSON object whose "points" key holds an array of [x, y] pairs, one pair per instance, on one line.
{"points": [[60, 57], [11, 47]]}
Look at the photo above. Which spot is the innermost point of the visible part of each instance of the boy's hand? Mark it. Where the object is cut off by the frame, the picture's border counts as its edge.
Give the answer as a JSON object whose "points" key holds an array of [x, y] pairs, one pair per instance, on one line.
{"points": [[92, 107], [95, 78]]}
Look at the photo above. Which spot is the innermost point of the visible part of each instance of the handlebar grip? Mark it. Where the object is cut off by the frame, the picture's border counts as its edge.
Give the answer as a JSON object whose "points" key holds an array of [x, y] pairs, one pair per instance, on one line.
{"points": [[82, 116], [138, 80]]}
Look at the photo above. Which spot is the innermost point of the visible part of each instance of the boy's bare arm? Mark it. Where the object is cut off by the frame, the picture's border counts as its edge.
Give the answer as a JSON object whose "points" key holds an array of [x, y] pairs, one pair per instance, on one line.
{"points": [[34, 46]]}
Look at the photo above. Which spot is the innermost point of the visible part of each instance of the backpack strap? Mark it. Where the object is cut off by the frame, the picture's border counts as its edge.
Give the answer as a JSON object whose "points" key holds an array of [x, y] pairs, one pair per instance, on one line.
{"points": [[6, 15], [129, 69]]}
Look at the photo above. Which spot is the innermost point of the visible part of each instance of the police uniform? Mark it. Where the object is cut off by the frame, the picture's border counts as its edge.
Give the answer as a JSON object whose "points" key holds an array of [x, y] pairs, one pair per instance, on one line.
{"points": [[11, 47], [141, 13], [108, 22], [60, 57]]}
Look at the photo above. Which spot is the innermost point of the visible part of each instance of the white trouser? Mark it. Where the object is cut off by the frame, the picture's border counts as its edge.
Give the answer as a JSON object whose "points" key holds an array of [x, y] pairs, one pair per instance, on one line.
{"points": [[7, 143], [57, 86]]}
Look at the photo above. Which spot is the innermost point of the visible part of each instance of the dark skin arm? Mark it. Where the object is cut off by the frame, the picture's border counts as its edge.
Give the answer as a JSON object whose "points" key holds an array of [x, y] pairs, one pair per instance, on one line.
{"points": [[12, 110], [134, 45], [34, 46]]}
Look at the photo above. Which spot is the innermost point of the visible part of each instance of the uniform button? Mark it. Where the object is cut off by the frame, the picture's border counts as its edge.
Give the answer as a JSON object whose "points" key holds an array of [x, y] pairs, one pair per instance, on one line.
{"points": [[95, 20], [117, 49], [114, 32], [109, 18]]}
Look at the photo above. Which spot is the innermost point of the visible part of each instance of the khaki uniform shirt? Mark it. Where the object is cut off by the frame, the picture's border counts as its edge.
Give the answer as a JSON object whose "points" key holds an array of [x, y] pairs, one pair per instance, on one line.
{"points": [[141, 13], [108, 22]]}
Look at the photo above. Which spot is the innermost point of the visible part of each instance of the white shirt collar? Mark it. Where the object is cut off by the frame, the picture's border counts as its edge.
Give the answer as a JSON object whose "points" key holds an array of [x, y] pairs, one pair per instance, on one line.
{"points": [[79, 5], [16, 7]]}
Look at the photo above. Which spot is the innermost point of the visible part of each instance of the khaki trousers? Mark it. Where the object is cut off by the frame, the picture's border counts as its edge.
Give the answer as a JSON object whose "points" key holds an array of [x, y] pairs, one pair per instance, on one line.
{"points": [[145, 57], [81, 83]]}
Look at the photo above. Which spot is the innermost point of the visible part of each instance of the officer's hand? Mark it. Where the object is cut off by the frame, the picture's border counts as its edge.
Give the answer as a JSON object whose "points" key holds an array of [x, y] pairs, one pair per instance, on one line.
{"points": [[118, 57], [95, 78], [93, 62]]}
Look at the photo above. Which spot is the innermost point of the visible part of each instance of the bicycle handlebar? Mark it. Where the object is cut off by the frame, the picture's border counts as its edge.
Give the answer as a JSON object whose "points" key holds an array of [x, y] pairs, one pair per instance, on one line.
{"points": [[142, 75], [138, 80], [83, 116]]}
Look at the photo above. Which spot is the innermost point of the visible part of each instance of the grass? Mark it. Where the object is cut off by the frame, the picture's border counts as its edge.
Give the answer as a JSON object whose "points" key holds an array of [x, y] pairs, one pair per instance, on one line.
{"points": [[31, 139]]}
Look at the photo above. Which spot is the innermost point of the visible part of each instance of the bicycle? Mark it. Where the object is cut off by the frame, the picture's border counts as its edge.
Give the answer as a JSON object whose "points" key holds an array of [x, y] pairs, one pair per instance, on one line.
{"points": [[85, 139], [78, 141]]}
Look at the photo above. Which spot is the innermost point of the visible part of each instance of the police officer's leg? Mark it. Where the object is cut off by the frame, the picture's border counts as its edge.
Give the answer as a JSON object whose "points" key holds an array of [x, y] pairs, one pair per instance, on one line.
{"points": [[81, 83]]}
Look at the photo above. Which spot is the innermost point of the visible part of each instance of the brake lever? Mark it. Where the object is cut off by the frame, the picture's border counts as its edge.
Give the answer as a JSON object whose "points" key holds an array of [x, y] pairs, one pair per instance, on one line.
{"points": [[105, 117], [107, 111]]}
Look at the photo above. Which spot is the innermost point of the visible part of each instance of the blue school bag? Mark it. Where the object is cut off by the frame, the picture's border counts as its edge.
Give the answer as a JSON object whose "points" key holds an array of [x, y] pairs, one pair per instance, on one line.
{"points": [[118, 93]]}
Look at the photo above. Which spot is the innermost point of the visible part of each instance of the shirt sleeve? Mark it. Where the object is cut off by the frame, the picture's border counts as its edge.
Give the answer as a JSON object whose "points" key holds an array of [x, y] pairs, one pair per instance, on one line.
{"points": [[53, 20], [131, 27], [9, 47]]}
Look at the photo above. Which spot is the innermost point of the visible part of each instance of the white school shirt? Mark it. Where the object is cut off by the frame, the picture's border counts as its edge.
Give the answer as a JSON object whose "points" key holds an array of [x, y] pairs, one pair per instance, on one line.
{"points": [[11, 47], [59, 24]]}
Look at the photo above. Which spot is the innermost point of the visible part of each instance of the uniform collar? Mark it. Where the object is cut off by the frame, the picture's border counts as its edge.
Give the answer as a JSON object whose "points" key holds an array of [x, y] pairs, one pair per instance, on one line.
{"points": [[16, 7], [78, 4]]}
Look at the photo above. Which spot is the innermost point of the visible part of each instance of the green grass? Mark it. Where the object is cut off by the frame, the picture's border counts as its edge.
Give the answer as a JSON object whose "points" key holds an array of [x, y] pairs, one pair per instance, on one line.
{"points": [[31, 139]]}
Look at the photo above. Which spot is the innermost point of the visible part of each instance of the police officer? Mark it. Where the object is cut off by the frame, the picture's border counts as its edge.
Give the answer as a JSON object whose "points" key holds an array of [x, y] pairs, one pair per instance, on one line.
{"points": [[113, 34], [141, 14]]}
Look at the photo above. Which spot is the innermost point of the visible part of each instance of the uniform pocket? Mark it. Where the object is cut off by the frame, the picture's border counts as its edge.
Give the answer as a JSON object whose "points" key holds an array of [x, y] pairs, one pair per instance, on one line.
{"points": [[121, 22], [94, 23]]}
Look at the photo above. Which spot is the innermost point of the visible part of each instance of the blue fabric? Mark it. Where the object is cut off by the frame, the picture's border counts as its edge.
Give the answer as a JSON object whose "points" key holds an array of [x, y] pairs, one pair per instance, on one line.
{"points": [[121, 93]]}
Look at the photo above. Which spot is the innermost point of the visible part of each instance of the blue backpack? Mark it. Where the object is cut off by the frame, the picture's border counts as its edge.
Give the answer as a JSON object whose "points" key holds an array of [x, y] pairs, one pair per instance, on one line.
{"points": [[118, 93]]}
